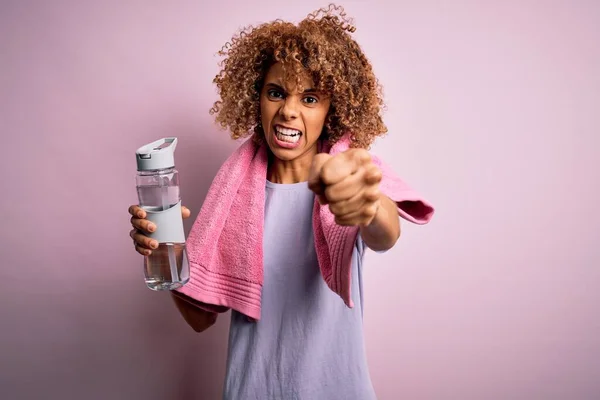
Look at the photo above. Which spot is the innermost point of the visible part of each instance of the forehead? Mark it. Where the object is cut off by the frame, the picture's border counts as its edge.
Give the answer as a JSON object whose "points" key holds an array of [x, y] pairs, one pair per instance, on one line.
{"points": [[276, 75]]}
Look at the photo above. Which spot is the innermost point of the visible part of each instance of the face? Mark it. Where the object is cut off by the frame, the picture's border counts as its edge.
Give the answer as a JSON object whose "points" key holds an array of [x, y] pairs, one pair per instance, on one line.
{"points": [[292, 120]]}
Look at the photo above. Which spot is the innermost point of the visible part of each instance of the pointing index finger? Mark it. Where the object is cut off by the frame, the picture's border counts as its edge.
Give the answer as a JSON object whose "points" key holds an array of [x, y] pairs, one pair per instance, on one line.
{"points": [[314, 178], [343, 165]]}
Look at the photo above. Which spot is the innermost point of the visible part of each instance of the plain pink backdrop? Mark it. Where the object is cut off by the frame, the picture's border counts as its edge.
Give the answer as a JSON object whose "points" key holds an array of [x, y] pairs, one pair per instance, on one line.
{"points": [[493, 112]]}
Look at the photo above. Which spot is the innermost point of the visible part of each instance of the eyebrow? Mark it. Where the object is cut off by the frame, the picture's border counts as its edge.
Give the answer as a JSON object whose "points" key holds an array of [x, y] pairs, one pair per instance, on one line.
{"points": [[276, 86]]}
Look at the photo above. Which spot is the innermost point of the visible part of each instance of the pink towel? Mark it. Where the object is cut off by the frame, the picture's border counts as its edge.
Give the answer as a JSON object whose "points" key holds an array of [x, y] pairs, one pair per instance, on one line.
{"points": [[225, 245]]}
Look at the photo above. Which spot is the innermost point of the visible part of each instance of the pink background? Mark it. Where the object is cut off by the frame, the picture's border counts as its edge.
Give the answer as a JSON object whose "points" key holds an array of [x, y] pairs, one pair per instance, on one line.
{"points": [[493, 110]]}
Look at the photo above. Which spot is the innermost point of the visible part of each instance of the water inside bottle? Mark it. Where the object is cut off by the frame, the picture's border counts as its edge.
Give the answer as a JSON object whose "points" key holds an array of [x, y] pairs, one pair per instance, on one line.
{"points": [[166, 268], [158, 197], [167, 260]]}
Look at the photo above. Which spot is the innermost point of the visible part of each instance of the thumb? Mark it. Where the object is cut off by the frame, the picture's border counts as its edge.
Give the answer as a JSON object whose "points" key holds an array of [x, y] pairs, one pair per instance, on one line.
{"points": [[314, 177]]}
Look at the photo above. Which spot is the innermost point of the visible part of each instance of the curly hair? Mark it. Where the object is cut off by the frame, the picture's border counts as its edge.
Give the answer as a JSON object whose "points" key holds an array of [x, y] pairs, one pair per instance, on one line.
{"points": [[321, 45]]}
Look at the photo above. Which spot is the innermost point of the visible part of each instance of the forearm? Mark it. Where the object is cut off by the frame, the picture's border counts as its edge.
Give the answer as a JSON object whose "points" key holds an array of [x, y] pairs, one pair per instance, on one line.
{"points": [[384, 230], [196, 317]]}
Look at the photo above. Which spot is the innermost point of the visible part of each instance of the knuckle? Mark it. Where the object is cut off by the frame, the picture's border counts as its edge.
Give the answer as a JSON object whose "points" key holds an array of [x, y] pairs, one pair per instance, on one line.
{"points": [[373, 175], [334, 208], [321, 158], [140, 238], [368, 212], [341, 221], [329, 193], [375, 172], [318, 162], [362, 155], [136, 222], [378, 175], [373, 210], [372, 195], [327, 175], [341, 208]]}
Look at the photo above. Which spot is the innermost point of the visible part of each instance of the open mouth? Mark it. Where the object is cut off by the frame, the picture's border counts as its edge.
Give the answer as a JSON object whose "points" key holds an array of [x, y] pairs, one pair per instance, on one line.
{"points": [[287, 135]]}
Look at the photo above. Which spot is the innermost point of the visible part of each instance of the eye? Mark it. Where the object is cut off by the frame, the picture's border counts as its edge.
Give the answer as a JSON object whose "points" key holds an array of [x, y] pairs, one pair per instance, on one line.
{"points": [[310, 100], [275, 94]]}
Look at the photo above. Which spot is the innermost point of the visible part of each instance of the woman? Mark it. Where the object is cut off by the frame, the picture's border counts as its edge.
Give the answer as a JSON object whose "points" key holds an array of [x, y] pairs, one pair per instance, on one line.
{"points": [[298, 89]]}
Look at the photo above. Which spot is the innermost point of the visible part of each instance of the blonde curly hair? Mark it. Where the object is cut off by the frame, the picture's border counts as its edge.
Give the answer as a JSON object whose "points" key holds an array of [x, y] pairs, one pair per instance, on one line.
{"points": [[321, 45]]}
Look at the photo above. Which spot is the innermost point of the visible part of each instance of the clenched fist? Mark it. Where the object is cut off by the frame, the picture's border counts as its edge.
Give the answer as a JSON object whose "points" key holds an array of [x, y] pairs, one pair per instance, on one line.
{"points": [[349, 183]]}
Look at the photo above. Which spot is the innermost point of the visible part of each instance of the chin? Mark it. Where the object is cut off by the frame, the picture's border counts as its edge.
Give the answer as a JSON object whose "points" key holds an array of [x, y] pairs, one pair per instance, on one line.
{"points": [[284, 154]]}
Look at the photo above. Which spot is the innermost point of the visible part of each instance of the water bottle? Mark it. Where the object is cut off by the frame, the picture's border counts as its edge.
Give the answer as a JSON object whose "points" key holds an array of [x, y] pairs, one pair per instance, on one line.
{"points": [[157, 183]]}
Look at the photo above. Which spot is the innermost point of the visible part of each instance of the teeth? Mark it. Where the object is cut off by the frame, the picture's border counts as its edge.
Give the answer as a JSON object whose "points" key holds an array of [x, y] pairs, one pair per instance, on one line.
{"points": [[288, 139], [287, 135], [286, 131]]}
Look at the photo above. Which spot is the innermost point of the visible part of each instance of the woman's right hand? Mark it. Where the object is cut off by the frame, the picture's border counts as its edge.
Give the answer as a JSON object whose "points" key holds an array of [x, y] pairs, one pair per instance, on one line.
{"points": [[141, 226]]}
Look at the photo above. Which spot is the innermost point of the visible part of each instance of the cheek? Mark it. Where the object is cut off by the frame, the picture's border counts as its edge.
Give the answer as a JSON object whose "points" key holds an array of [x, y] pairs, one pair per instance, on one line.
{"points": [[267, 110], [318, 119]]}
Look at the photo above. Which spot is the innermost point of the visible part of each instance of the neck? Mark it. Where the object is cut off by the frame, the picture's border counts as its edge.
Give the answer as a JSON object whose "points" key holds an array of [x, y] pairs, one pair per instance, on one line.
{"points": [[291, 171]]}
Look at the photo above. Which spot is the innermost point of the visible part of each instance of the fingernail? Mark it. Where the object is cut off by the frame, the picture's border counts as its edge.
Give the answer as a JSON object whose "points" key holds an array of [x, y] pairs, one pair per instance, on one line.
{"points": [[147, 252], [154, 245], [151, 227]]}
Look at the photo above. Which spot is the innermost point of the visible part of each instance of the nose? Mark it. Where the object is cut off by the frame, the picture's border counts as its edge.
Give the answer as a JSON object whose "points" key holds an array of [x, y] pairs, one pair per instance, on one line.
{"points": [[289, 108]]}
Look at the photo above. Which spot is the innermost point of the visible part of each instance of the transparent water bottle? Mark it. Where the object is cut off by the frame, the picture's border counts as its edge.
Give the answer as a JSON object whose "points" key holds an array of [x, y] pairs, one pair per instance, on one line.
{"points": [[157, 183]]}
